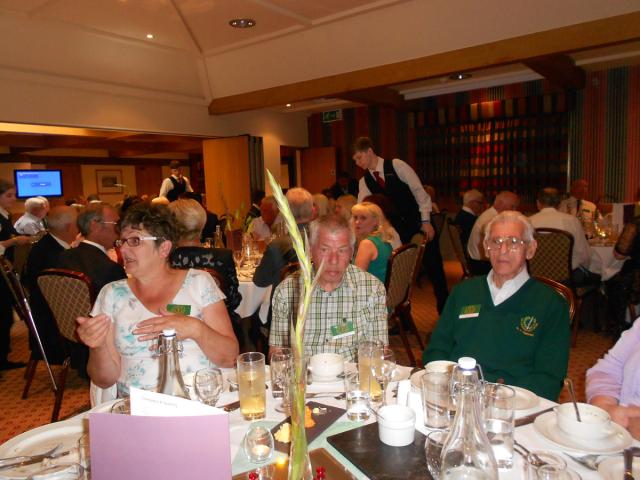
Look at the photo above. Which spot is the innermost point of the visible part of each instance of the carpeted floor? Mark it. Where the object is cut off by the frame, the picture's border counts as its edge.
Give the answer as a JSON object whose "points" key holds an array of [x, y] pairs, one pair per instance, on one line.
{"points": [[17, 415]]}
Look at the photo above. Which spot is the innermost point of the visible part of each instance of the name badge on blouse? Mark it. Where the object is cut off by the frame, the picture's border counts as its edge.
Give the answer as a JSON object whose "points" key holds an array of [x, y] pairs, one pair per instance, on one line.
{"points": [[179, 309], [470, 311], [343, 329]]}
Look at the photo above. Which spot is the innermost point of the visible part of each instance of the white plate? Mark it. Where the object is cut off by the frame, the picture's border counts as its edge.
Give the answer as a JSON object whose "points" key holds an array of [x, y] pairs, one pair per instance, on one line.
{"points": [[40, 440], [525, 399], [613, 468], [547, 426]]}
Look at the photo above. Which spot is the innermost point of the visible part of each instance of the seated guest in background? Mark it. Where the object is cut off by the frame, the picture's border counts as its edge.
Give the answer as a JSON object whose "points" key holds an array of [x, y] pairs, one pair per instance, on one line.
{"points": [[128, 202], [263, 226], [320, 205], [190, 253], [549, 217], [477, 259], [514, 326], [130, 314], [373, 236], [175, 184], [254, 210], [209, 229], [44, 254], [93, 198], [31, 223], [623, 288], [612, 384], [343, 206], [576, 204], [345, 185], [97, 224], [160, 201], [346, 299], [389, 211], [472, 206]]}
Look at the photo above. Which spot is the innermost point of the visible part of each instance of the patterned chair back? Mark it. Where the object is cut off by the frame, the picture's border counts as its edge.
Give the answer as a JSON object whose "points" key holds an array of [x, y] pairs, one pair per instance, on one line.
{"points": [[288, 269], [458, 248], [553, 256], [563, 290], [400, 274], [69, 295]]}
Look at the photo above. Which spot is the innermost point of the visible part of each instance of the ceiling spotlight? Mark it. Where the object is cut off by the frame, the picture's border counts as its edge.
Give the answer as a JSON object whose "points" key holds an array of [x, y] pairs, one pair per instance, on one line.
{"points": [[150, 36], [288, 105], [242, 22], [459, 76]]}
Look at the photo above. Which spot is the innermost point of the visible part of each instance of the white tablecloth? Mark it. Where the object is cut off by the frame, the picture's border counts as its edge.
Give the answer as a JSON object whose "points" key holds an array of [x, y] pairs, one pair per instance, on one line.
{"points": [[254, 298], [603, 262]]}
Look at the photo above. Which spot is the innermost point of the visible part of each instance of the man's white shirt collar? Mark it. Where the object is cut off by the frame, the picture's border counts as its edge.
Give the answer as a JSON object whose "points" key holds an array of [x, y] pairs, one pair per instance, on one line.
{"points": [[62, 243], [379, 167], [468, 210], [97, 245], [4, 213], [509, 287]]}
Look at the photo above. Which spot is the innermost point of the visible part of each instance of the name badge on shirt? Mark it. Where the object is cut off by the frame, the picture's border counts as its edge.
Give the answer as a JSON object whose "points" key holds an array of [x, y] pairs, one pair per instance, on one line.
{"points": [[343, 329], [179, 309], [470, 311]]}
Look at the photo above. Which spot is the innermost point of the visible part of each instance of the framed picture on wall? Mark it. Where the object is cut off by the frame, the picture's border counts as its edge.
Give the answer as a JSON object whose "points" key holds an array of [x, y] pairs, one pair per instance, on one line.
{"points": [[109, 181]]}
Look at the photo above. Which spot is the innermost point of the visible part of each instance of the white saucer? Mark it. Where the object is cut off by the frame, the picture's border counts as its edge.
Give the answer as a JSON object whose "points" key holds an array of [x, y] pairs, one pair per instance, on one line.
{"points": [[525, 399], [613, 468], [547, 426]]}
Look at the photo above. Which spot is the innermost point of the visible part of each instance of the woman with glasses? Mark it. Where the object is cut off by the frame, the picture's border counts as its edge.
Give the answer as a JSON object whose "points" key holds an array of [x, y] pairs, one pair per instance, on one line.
{"points": [[190, 253], [515, 327], [130, 314], [374, 239]]}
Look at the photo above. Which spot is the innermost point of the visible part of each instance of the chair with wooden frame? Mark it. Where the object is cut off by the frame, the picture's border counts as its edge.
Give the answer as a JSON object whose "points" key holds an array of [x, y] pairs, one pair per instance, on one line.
{"points": [[568, 295], [23, 309], [401, 274], [455, 235], [69, 295]]}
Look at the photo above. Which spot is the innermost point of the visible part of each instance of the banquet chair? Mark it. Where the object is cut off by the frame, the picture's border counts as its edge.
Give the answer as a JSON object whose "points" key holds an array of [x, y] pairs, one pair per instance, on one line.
{"points": [[553, 255], [401, 273], [569, 296], [458, 248], [23, 309], [69, 295]]}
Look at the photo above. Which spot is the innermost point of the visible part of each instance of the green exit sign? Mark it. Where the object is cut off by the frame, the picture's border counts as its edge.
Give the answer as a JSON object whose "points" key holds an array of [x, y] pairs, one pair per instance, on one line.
{"points": [[332, 116]]}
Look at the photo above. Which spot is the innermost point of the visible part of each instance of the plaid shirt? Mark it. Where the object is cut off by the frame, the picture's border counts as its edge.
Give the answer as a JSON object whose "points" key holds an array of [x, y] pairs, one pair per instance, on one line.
{"points": [[360, 298]]}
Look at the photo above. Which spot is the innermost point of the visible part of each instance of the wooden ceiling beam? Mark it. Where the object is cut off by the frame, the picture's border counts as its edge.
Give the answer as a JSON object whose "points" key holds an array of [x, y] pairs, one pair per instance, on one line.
{"points": [[559, 70], [376, 96], [572, 38]]}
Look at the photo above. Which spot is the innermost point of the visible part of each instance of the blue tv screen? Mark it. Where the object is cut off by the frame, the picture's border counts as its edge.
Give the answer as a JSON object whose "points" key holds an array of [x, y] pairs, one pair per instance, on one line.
{"points": [[34, 183]]}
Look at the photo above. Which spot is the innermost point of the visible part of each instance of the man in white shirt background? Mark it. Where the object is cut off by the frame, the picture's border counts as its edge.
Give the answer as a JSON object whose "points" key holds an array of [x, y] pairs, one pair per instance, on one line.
{"points": [[576, 204], [263, 226], [31, 222]]}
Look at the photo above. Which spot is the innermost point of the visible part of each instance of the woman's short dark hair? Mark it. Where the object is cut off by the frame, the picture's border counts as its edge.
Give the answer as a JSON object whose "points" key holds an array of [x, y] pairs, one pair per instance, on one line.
{"points": [[156, 219]]}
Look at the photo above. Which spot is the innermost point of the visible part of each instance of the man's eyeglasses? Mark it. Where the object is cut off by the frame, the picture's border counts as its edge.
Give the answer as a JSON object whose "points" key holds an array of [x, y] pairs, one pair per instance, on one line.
{"points": [[512, 243], [109, 223], [133, 241]]}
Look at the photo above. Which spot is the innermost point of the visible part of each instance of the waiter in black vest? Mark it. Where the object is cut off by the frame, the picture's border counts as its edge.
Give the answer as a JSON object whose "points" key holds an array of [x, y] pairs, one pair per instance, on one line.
{"points": [[397, 181], [176, 184]]}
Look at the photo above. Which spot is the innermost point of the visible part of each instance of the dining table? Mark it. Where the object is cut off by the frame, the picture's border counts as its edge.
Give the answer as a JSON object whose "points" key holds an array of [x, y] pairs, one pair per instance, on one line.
{"points": [[603, 262], [254, 298], [326, 393]]}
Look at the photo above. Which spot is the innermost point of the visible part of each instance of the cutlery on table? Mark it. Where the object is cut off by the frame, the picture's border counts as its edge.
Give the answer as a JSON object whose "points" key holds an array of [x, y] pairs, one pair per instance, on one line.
{"points": [[29, 459], [525, 453], [628, 464], [569, 384], [530, 418], [336, 395], [230, 407]]}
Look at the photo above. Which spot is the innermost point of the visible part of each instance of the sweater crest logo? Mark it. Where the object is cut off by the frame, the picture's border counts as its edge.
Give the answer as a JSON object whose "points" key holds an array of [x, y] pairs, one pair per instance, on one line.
{"points": [[528, 325]]}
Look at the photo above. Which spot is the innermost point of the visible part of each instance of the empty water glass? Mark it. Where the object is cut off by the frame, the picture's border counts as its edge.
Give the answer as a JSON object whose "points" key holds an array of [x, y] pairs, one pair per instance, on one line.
{"points": [[281, 367], [544, 465], [436, 399], [258, 444], [357, 396], [208, 384], [499, 403], [433, 451]]}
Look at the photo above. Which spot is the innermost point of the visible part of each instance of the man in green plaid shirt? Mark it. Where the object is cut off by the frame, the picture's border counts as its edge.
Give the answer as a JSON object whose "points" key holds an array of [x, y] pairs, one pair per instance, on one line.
{"points": [[348, 305]]}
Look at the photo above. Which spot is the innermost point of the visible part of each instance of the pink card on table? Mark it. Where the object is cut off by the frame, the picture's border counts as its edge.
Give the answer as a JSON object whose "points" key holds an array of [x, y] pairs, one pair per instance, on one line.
{"points": [[136, 447]]}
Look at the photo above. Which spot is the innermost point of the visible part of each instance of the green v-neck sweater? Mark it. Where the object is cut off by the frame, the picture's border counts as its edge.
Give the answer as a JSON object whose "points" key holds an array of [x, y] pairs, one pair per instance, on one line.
{"points": [[524, 340]]}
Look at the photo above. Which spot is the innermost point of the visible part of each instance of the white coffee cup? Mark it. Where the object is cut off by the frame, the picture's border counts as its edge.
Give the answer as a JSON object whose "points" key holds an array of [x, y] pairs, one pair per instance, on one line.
{"points": [[595, 422], [396, 425], [441, 366], [326, 366]]}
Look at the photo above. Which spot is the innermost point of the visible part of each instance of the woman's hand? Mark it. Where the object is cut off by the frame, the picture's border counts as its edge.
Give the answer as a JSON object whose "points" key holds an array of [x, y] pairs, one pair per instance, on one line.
{"points": [[185, 327], [622, 415], [93, 331]]}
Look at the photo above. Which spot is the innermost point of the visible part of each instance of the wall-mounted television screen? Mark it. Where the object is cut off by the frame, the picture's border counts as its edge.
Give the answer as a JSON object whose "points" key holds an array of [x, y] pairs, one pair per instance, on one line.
{"points": [[34, 183]]}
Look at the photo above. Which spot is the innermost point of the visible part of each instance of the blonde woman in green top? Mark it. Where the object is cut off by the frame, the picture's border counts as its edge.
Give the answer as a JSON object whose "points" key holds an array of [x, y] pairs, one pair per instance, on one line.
{"points": [[374, 235]]}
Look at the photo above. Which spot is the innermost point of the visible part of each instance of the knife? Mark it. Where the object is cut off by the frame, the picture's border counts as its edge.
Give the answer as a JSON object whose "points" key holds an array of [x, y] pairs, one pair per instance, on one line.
{"points": [[30, 459], [230, 407], [530, 418], [628, 464]]}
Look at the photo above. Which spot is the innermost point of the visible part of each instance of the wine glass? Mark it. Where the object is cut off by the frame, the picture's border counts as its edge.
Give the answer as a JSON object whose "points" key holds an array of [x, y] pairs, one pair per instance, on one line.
{"points": [[281, 366], [383, 366], [238, 257], [208, 384]]}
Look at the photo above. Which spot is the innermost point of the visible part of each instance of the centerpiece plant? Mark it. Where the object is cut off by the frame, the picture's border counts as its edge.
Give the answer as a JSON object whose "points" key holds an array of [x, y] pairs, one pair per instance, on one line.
{"points": [[299, 462]]}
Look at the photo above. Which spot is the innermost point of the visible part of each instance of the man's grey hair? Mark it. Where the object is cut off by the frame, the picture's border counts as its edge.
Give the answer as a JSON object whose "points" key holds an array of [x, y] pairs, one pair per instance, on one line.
{"points": [[94, 211], [301, 204], [60, 218], [34, 203], [330, 224], [511, 216], [549, 197], [471, 195]]}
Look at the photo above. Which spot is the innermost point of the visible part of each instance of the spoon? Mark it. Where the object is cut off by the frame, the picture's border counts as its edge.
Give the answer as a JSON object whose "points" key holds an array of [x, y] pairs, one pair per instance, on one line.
{"points": [[569, 384]]}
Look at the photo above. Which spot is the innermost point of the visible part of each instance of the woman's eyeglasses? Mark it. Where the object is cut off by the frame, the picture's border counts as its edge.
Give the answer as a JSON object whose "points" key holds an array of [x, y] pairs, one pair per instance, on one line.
{"points": [[133, 241], [512, 243]]}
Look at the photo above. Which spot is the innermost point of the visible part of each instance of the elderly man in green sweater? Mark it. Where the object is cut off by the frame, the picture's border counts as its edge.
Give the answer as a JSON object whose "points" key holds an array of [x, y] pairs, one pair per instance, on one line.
{"points": [[514, 326]]}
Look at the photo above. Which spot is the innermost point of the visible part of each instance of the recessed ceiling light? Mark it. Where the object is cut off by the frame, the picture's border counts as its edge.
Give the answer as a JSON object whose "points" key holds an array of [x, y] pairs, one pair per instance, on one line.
{"points": [[242, 22], [288, 105], [150, 36], [459, 76]]}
